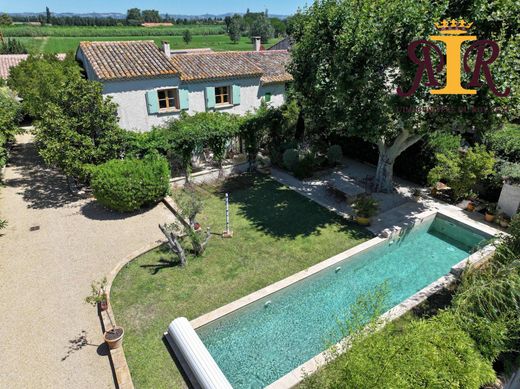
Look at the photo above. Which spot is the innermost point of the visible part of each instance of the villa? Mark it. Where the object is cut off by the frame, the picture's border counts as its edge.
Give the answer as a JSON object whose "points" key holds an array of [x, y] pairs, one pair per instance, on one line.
{"points": [[151, 85]]}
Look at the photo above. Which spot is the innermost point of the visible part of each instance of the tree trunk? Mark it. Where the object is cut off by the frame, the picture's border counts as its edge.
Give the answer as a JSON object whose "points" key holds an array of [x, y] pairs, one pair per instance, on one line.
{"points": [[383, 181], [173, 243], [200, 243]]}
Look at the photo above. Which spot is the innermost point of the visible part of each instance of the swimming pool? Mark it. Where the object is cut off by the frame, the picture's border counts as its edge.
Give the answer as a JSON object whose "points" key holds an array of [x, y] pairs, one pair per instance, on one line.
{"points": [[261, 342]]}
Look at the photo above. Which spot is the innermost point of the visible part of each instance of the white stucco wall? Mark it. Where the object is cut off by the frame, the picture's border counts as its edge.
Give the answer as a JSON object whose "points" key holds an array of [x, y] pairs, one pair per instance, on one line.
{"points": [[130, 96]]}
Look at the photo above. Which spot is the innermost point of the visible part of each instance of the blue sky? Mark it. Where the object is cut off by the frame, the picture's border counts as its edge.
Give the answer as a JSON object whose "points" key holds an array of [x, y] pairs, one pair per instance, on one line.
{"points": [[184, 7]]}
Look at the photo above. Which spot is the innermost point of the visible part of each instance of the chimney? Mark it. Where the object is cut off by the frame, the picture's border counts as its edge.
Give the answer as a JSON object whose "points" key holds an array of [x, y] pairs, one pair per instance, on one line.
{"points": [[166, 48], [257, 43]]}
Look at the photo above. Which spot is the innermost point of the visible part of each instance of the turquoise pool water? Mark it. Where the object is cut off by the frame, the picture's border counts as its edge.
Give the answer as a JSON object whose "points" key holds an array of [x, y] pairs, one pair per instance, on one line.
{"points": [[256, 345]]}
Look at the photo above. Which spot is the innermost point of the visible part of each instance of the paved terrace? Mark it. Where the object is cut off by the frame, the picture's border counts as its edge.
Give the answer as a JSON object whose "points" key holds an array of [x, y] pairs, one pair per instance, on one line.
{"points": [[54, 246], [351, 178]]}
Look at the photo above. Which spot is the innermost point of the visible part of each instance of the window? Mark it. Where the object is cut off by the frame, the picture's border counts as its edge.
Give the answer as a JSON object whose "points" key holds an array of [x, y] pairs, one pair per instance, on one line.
{"points": [[222, 95], [267, 97], [168, 99]]}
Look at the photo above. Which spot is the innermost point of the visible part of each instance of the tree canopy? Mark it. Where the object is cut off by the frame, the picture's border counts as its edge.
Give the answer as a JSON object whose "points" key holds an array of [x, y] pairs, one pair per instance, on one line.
{"points": [[349, 57]]}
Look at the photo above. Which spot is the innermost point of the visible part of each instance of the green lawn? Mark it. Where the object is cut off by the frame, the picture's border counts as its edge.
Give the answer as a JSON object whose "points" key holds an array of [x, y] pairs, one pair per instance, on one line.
{"points": [[277, 233], [53, 44]]}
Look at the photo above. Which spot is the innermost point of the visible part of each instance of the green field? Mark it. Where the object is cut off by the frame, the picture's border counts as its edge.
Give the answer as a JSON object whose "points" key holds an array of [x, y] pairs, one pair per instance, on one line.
{"points": [[66, 44], [83, 31]]}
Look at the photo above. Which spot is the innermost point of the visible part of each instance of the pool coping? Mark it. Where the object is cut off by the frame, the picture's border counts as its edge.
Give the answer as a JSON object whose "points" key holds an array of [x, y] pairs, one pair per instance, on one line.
{"points": [[297, 375]]}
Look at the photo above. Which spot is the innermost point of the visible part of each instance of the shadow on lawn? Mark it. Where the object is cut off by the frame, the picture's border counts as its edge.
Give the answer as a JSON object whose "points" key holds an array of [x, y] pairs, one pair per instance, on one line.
{"points": [[279, 211], [166, 261]]}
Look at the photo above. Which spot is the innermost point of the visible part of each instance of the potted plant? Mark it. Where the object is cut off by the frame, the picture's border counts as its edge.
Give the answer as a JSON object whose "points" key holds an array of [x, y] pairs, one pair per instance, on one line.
{"points": [[416, 194], [98, 297], [490, 213], [472, 196], [365, 207]]}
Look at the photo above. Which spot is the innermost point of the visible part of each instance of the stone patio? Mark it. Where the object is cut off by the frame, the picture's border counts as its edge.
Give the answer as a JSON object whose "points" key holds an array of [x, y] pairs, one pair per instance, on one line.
{"points": [[351, 178]]}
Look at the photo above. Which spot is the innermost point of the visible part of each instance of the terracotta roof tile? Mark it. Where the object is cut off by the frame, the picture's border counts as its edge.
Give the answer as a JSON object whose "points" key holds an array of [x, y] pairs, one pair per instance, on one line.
{"points": [[140, 59], [273, 64], [7, 61], [126, 59], [202, 66], [269, 65]]}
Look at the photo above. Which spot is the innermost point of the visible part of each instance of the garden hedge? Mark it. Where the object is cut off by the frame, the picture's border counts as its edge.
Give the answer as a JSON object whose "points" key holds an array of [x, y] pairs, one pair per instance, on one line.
{"points": [[127, 185]]}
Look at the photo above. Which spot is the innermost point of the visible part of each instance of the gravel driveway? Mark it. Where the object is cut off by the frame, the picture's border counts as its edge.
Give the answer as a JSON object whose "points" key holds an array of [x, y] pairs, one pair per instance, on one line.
{"points": [[54, 246]]}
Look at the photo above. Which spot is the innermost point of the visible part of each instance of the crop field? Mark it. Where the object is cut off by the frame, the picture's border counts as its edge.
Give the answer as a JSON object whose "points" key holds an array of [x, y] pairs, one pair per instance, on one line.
{"points": [[55, 44], [112, 31]]}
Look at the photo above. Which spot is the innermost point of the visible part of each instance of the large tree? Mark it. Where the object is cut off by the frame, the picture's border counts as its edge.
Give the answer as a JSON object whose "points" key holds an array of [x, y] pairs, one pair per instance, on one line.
{"points": [[262, 27], [350, 56], [39, 81], [79, 129], [235, 28]]}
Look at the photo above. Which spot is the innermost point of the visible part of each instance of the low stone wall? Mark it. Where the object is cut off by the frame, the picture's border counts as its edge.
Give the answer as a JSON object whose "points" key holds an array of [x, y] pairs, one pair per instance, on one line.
{"points": [[211, 175], [117, 356]]}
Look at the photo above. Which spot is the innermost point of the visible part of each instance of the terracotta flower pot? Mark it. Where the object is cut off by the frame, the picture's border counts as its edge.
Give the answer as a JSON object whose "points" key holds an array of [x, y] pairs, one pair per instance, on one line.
{"points": [[470, 207], [114, 337], [103, 305], [489, 217]]}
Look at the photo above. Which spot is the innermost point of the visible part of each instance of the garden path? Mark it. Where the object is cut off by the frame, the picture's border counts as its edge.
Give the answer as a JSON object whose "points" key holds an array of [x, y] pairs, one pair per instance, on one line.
{"points": [[53, 247]]}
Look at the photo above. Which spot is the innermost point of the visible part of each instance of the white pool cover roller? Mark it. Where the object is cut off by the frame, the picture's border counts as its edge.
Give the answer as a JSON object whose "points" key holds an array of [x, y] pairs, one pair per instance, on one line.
{"points": [[202, 365]]}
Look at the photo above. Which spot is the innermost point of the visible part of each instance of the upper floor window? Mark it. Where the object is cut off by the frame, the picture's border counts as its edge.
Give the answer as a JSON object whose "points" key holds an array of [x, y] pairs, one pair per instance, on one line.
{"points": [[168, 99], [222, 95]]}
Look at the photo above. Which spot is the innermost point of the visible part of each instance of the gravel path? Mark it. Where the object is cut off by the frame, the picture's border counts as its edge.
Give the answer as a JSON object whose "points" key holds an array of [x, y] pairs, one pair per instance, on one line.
{"points": [[49, 338]]}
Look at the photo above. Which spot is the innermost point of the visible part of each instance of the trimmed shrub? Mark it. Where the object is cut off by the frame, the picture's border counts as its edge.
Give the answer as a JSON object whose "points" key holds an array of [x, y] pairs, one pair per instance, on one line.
{"points": [[305, 167], [127, 185], [334, 154], [291, 157]]}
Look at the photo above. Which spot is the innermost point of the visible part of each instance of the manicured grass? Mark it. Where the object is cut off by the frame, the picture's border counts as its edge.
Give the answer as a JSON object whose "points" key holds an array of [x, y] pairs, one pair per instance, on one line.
{"points": [[55, 44], [277, 233]]}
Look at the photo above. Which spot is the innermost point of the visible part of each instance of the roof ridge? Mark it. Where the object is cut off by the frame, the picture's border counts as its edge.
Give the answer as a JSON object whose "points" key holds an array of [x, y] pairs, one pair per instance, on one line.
{"points": [[117, 42]]}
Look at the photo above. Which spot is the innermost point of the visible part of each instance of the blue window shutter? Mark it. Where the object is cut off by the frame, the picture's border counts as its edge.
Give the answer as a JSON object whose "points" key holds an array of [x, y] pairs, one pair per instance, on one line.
{"points": [[184, 99], [152, 101], [210, 97], [236, 95]]}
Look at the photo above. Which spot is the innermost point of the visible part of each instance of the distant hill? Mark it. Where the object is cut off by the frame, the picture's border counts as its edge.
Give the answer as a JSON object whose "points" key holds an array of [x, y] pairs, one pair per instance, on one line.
{"points": [[118, 15]]}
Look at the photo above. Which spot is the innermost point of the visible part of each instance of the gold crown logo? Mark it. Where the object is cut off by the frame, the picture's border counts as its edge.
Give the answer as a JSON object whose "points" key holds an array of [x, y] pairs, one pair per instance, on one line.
{"points": [[453, 26]]}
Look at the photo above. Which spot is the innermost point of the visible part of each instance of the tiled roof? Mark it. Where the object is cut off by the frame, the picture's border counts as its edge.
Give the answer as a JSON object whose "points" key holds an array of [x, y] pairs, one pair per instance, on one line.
{"points": [[202, 66], [273, 64], [141, 59], [284, 44], [126, 59], [7, 61]]}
